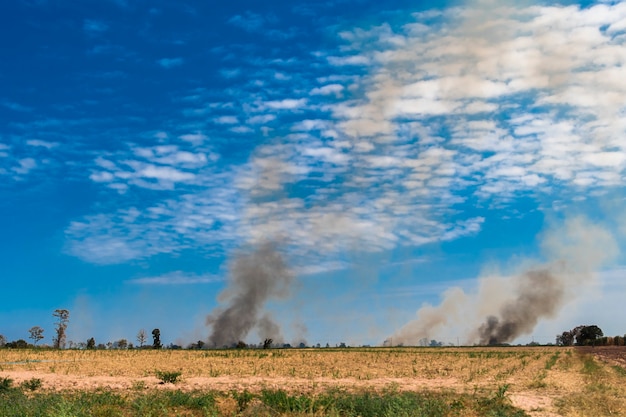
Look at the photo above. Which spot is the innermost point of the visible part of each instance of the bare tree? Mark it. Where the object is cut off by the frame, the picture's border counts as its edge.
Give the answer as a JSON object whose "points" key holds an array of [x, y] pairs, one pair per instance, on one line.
{"points": [[63, 317], [36, 334], [3, 340], [141, 337]]}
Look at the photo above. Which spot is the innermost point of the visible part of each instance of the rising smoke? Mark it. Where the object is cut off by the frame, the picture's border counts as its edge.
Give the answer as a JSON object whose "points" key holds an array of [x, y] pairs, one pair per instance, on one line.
{"points": [[505, 308], [254, 279], [539, 294]]}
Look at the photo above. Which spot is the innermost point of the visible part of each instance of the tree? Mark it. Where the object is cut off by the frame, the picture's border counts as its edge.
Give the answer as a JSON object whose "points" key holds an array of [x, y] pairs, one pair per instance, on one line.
{"points": [[267, 343], [156, 339], [91, 343], [565, 339], [17, 344], [141, 337], [121, 344], [63, 317], [36, 334], [3, 340], [588, 335]]}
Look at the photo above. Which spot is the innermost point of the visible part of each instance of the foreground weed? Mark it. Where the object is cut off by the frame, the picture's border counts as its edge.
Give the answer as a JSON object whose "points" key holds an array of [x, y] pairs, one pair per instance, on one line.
{"points": [[336, 403], [32, 384], [281, 401], [243, 398], [5, 384], [168, 377]]}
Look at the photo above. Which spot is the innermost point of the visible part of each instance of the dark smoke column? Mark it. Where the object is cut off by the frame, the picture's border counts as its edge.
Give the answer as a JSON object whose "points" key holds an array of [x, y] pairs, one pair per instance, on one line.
{"points": [[254, 279], [539, 294]]}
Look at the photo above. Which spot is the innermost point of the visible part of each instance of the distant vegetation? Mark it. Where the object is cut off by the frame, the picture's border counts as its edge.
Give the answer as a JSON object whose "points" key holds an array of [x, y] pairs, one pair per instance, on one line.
{"points": [[584, 335], [588, 336]]}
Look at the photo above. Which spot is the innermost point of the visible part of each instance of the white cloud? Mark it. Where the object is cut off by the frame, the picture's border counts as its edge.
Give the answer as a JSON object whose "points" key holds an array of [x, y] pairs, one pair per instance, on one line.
{"points": [[16, 106], [41, 143], [170, 62], [176, 278], [197, 137], [226, 120], [555, 67], [348, 60], [285, 104], [102, 176], [459, 106], [25, 165], [93, 26], [164, 173], [328, 89], [251, 22], [261, 119]]}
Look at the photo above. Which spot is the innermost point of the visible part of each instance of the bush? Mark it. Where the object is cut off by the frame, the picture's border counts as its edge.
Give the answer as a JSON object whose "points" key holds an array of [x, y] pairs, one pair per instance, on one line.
{"points": [[168, 377], [5, 384], [32, 384]]}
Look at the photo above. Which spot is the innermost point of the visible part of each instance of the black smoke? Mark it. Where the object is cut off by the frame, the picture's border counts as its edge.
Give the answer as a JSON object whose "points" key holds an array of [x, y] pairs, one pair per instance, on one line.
{"points": [[254, 279], [539, 294]]}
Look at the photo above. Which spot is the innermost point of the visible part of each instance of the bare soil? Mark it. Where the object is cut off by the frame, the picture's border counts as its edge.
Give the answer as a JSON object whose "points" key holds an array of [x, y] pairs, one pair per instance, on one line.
{"points": [[613, 355]]}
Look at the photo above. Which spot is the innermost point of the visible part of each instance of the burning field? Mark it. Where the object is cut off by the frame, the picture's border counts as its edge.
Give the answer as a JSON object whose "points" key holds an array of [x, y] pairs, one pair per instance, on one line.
{"points": [[542, 381]]}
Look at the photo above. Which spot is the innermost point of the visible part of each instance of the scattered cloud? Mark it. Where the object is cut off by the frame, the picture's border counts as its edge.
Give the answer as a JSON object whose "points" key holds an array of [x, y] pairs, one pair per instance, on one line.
{"points": [[176, 278], [387, 140], [195, 138], [226, 120], [92, 26], [170, 62], [335, 89], [250, 21], [16, 106], [41, 143]]}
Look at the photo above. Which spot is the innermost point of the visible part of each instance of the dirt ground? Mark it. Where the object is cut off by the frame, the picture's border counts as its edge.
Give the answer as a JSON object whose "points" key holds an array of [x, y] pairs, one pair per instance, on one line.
{"points": [[613, 355]]}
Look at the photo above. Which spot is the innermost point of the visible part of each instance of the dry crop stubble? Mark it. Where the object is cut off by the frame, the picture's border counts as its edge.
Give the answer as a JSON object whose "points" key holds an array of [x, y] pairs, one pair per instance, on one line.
{"points": [[539, 379], [478, 365]]}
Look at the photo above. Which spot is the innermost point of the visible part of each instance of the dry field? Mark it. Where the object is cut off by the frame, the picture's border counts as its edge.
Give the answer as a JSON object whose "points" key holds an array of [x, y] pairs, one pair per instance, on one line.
{"points": [[544, 381]]}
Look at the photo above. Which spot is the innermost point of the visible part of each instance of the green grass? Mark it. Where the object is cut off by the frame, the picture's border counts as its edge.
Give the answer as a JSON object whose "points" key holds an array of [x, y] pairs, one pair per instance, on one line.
{"points": [[621, 371], [590, 366], [21, 402], [552, 361]]}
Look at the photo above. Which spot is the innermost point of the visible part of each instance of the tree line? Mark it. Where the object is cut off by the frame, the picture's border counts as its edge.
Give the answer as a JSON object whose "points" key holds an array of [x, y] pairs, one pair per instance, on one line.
{"points": [[588, 335], [59, 340]]}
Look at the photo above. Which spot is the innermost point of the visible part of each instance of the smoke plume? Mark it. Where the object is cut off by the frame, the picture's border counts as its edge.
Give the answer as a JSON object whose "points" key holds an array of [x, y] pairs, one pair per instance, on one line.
{"points": [[539, 294], [269, 329], [254, 279], [506, 307]]}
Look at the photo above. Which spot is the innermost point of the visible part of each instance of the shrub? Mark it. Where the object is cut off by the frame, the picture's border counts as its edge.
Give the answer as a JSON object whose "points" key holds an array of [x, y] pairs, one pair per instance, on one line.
{"points": [[5, 384], [168, 377], [32, 384]]}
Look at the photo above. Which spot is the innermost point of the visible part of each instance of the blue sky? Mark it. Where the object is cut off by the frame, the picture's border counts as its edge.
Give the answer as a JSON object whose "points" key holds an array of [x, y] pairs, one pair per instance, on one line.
{"points": [[410, 161]]}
